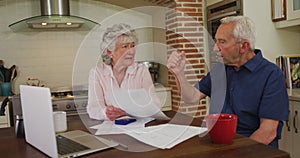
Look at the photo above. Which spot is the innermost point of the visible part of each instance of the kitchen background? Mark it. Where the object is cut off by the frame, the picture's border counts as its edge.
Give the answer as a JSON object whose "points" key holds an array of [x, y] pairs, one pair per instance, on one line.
{"points": [[64, 58], [55, 56]]}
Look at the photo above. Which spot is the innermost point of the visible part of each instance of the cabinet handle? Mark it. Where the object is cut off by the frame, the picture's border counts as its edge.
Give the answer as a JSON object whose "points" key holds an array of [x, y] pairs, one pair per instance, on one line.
{"points": [[294, 121], [288, 125], [287, 122]]}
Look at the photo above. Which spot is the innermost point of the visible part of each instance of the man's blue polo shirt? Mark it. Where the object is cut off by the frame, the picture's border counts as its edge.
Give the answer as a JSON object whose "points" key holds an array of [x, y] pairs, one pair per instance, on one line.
{"points": [[257, 90]]}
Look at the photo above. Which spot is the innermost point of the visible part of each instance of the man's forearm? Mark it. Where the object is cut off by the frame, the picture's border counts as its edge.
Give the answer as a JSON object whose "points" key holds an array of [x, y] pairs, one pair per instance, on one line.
{"points": [[262, 137], [267, 131], [189, 94]]}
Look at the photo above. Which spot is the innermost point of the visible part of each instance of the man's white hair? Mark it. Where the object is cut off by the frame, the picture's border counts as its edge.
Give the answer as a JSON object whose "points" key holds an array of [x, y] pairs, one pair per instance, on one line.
{"points": [[244, 29]]}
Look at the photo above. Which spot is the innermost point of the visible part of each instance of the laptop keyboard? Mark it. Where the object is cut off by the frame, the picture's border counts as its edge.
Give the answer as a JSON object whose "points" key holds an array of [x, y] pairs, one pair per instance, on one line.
{"points": [[67, 146]]}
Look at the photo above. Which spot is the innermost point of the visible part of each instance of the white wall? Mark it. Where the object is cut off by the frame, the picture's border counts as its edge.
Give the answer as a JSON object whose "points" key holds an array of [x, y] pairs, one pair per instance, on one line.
{"points": [[54, 57], [272, 41]]}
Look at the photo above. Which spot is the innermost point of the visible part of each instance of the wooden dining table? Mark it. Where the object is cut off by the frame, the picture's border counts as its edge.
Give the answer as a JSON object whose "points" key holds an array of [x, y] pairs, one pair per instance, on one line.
{"points": [[195, 147]]}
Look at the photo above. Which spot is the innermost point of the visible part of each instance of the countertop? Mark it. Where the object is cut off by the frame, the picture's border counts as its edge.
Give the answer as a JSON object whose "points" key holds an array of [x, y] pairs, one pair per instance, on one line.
{"points": [[159, 87], [294, 94], [2, 98]]}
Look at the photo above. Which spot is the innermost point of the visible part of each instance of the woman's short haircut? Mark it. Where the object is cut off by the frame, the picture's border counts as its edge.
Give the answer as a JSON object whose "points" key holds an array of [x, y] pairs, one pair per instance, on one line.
{"points": [[110, 36]]}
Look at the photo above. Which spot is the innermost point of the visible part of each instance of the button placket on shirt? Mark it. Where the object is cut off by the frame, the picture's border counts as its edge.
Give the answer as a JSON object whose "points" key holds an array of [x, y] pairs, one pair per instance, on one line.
{"points": [[232, 80]]}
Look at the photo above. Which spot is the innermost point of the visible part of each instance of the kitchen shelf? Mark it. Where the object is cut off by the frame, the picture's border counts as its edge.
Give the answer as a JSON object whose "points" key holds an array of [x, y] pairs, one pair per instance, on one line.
{"points": [[287, 23]]}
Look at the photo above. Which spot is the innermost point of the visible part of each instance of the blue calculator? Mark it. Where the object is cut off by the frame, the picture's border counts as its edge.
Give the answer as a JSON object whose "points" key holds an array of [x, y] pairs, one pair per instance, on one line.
{"points": [[124, 121]]}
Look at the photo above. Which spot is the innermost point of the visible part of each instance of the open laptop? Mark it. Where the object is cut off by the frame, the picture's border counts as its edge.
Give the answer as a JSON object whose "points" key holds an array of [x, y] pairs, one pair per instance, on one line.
{"points": [[39, 127]]}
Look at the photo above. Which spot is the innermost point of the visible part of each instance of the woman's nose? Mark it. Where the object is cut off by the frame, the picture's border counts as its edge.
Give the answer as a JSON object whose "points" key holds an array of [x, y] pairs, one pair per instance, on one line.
{"points": [[131, 51]]}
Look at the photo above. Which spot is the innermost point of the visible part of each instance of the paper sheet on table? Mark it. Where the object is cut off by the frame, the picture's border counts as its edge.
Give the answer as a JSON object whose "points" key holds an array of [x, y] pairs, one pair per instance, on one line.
{"points": [[166, 136], [109, 127], [137, 103]]}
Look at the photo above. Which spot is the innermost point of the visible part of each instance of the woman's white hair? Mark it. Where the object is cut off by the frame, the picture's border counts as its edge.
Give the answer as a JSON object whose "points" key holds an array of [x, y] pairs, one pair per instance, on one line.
{"points": [[244, 29], [110, 37]]}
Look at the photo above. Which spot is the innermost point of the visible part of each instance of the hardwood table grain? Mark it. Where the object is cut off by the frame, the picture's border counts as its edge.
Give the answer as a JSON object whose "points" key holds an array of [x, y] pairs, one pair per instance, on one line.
{"points": [[195, 147]]}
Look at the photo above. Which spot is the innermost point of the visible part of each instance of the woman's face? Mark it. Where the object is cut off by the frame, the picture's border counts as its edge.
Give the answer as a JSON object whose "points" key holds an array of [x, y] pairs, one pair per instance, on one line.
{"points": [[124, 52]]}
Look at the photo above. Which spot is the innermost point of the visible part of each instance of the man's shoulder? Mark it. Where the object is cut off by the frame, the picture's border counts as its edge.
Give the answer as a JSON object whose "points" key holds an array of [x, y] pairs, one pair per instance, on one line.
{"points": [[269, 65], [265, 63]]}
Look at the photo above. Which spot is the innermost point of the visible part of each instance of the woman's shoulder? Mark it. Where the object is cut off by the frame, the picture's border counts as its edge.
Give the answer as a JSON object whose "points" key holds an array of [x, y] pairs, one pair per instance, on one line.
{"points": [[138, 67], [101, 68], [141, 66]]}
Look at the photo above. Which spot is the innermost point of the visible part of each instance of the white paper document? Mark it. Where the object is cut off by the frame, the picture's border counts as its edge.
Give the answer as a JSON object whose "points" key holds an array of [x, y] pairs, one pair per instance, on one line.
{"points": [[166, 136], [137, 103], [109, 127]]}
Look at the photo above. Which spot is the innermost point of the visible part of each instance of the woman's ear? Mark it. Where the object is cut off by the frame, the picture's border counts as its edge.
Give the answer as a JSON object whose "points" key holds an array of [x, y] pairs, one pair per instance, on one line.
{"points": [[108, 52]]}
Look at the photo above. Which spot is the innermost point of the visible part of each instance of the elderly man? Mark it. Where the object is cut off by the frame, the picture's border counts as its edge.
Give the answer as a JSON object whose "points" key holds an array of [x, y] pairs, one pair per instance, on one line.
{"points": [[255, 91]]}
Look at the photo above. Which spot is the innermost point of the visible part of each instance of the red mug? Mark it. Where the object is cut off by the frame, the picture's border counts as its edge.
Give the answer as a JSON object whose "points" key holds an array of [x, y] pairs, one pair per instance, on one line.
{"points": [[221, 127]]}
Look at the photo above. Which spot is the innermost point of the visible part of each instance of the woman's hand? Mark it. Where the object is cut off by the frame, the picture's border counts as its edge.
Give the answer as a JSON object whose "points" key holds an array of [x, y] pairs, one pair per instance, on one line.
{"points": [[176, 62], [113, 113]]}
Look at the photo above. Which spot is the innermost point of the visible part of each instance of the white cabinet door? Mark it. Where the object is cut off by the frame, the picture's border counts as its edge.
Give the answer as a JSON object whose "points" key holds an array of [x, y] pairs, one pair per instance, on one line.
{"points": [[286, 141], [293, 9], [296, 129], [165, 98], [5, 120]]}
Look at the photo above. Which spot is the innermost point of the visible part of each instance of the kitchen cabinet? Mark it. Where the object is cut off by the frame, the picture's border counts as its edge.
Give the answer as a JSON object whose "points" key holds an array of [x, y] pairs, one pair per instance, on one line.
{"points": [[5, 120], [164, 94], [290, 140], [293, 9], [293, 14]]}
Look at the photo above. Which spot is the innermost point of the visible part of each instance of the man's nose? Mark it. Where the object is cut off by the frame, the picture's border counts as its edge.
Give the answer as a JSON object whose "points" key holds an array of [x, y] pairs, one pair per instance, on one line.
{"points": [[216, 48]]}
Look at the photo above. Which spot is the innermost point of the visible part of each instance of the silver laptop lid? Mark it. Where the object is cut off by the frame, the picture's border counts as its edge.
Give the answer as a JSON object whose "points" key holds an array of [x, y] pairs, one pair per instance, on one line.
{"points": [[38, 119], [39, 126]]}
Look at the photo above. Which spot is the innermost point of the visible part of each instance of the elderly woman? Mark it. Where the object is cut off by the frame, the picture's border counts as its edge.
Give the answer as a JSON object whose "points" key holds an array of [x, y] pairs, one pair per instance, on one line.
{"points": [[118, 71]]}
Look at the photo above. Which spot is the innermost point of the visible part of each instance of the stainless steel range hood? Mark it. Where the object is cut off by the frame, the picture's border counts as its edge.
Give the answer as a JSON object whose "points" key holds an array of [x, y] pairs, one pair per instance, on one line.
{"points": [[55, 15]]}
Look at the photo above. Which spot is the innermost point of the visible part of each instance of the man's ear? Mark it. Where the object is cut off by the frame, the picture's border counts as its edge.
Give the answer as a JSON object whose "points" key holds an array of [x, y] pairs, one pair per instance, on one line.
{"points": [[245, 46]]}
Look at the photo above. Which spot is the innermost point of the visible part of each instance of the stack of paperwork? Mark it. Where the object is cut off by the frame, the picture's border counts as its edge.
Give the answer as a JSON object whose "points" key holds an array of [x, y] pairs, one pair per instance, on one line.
{"points": [[164, 136], [139, 104], [109, 127]]}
